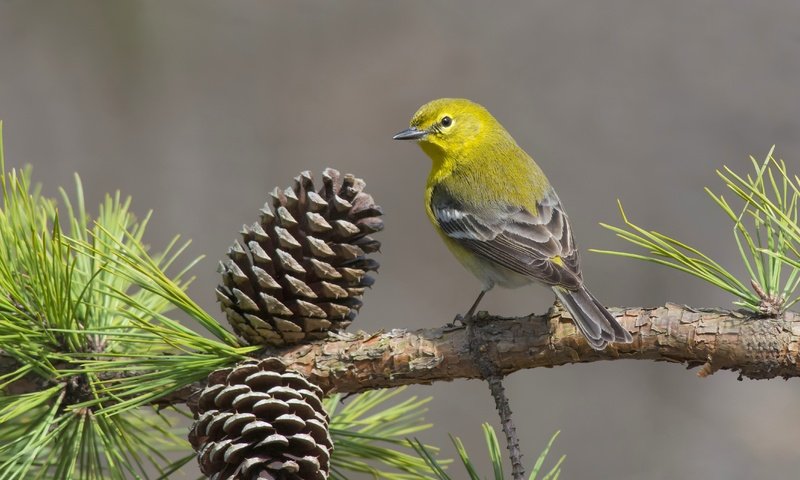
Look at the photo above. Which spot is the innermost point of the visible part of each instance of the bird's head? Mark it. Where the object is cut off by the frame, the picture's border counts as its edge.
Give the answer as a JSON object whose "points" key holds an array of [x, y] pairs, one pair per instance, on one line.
{"points": [[448, 126]]}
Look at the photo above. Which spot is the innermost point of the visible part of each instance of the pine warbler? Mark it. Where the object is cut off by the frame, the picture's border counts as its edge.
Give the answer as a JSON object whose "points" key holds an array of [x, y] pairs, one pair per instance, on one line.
{"points": [[499, 215]]}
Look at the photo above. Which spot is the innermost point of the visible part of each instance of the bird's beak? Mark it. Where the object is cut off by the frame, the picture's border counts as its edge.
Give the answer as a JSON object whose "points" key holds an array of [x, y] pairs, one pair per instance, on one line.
{"points": [[412, 133]]}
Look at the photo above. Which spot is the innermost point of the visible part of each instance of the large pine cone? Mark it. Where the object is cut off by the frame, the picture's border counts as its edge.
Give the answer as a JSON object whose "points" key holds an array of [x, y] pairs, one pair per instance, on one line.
{"points": [[302, 268], [259, 421]]}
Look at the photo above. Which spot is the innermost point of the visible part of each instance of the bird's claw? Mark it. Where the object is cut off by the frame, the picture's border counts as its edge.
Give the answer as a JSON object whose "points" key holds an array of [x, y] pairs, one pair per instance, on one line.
{"points": [[448, 327]]}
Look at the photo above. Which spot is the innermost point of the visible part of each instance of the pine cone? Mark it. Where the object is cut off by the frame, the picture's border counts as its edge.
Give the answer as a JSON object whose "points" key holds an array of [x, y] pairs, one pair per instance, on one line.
{"points": [[259, 421], [302, 268]]}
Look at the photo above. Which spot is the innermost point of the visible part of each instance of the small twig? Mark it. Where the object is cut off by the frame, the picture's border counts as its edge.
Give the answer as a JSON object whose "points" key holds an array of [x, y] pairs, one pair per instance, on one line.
{"points": [[771, 305], [492, 376]]}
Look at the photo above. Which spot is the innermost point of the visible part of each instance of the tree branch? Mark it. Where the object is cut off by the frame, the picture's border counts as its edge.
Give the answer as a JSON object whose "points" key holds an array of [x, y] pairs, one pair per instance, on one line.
{"points": [[758, 348]]}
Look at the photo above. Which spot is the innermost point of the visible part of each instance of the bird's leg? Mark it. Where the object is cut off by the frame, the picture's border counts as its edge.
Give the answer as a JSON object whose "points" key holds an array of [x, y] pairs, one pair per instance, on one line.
{"points": [[474, 307], [464, 319]]}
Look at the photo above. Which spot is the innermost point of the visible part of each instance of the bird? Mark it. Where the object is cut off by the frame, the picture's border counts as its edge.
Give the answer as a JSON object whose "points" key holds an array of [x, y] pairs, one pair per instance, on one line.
{"points": [[499, 215]]}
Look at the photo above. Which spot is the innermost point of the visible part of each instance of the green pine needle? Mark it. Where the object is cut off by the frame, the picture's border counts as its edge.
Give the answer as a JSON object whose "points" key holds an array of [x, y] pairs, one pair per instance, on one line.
{"points": [[370, 436], [765, 230], [495, 456], [85, 316]]}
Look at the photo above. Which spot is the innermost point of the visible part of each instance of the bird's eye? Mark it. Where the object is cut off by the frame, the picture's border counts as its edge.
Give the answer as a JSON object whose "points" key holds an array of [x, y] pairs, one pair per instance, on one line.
{"points": [[446, 121]]}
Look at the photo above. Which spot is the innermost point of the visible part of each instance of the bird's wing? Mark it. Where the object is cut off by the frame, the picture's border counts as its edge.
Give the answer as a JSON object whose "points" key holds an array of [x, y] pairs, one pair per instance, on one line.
{"points": [[537, 244]]}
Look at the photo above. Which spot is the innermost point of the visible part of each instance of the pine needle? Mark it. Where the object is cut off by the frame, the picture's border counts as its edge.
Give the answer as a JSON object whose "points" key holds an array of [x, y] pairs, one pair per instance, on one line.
{"points": [[765, 231], [495, 457]]}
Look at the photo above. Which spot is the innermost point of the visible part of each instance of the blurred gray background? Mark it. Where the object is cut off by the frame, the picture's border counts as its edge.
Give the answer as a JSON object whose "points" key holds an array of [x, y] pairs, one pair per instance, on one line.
{"points": [[198, 108]]}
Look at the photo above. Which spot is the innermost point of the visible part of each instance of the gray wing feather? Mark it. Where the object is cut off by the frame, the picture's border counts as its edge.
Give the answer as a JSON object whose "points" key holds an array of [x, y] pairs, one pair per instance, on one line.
{"points": [[511, 236]]}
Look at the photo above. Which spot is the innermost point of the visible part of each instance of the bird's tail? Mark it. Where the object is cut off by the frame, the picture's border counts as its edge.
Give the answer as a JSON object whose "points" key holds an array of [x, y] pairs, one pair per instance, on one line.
{"points": [[591, 317]]}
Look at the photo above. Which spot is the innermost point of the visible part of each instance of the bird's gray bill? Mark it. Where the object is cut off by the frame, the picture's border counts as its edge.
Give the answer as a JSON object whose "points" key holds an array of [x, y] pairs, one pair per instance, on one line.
{"points": [[410, 134]]}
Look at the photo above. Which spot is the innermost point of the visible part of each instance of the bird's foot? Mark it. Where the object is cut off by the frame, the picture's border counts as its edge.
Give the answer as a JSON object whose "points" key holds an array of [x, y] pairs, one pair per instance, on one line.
{"points": [[556, 309], [454, 325]]}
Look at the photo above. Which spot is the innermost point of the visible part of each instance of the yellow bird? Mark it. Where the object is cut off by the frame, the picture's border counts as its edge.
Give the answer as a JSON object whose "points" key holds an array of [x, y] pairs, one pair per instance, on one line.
{"points": [[497, 212]]}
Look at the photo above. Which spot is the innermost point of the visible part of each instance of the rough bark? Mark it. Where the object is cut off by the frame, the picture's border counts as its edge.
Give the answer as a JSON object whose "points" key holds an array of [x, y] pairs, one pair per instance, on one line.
{"points": [[757, 348]]}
